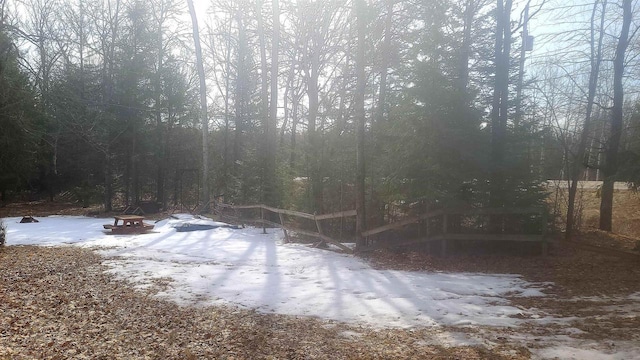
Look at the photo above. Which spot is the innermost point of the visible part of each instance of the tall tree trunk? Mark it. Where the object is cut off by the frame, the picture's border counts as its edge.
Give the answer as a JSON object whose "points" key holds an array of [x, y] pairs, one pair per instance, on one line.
{"points": [[240, 100], [285, 106], [291, 92], [523, 55], [578, 162], [108, 50], [506, 65], [386, 53], [264, 107], [135, 173], [272, 140], [611, 155], [204, 197], [465, 47], [500, 104], [360, 9], [294, 128], [315, 149], [226, 152], [160, 198]]}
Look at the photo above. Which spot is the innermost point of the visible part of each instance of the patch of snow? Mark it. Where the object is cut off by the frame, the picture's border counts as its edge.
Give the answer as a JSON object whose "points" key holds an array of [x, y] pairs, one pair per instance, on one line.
{"points": [[450, 339], [336, 248], [177, 220], [585, 352], [250, 269], [350, 334]]}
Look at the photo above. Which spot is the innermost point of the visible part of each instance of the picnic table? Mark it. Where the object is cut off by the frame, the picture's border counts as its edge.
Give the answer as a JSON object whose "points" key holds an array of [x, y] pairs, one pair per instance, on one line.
{"points": [[128, 224]]}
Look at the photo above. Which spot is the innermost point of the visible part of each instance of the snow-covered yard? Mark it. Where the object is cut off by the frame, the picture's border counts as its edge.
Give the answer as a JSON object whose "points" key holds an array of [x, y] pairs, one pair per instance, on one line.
{"points": [[246, 268], [255, 270]]}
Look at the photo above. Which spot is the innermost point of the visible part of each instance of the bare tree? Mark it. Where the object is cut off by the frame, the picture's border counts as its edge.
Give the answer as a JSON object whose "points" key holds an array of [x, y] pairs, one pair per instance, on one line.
{"points": [[204, 197], [273, 105], [265, 178], [220, 46], [385, 54], [360, 11], [579, 160], [499, 106], [470, 9], [268, 108], [164, 12], [611, 152], [242, 97], [40, 28], [322, 26]]}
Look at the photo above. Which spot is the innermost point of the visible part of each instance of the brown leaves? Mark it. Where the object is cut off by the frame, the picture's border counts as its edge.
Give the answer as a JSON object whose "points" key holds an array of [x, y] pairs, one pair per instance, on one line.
{"points": [[573, 271], [57, 303]]}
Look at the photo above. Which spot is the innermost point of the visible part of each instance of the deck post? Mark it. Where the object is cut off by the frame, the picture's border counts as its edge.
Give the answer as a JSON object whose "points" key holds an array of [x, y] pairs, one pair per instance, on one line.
{"points": [[319, 227], [286, 234]]}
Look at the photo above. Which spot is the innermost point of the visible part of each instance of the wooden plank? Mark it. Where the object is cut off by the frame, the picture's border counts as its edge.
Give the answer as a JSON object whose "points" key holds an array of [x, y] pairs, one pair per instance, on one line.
{"points": [[289, 212], [129, 217], [323, 237], [246, 206], [293, 212], [336, 243], [339, 214], [309, 233], [402, 223]]}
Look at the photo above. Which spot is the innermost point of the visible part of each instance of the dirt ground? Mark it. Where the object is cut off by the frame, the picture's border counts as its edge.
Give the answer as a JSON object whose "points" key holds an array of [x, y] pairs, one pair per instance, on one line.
{"points": [[58, 303]]}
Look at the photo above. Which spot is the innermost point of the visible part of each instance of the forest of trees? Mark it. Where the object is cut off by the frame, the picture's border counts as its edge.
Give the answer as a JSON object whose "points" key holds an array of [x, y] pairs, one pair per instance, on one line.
{"points": [[318, 105]]}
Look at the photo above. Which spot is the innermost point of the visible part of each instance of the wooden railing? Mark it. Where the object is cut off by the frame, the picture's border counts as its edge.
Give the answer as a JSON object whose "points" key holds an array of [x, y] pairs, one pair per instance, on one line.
{"points": [[438, 226], [319, 233], [446, 225]]}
